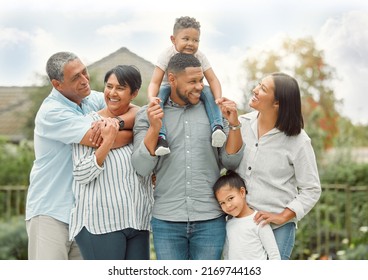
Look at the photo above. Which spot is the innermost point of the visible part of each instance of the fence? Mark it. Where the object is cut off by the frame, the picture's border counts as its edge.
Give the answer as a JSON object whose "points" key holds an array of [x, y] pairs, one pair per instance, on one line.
{"points": [[339, 218], [12, 200], [335, 221]]}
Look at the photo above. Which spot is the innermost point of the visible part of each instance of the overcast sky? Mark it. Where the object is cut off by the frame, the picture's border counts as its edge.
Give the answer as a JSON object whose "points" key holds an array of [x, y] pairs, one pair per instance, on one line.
{"points": [[31, 31]]}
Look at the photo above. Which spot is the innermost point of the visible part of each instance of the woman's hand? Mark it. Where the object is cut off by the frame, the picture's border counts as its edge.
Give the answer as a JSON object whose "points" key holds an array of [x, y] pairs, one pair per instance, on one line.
{"points": [[263, 217], [229, 110]]}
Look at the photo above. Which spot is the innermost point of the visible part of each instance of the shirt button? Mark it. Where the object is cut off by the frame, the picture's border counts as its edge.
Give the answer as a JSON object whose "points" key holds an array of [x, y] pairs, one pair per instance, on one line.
{"points": [[256, 144], [249, 168]]}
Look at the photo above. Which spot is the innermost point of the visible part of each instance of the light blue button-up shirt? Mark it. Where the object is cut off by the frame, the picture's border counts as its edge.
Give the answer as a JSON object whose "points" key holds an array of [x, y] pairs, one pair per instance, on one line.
{"points": [[184, 178], [59, 123]]}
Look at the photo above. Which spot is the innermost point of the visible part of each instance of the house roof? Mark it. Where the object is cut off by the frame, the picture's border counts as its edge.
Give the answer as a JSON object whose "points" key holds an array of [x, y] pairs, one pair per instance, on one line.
{"points": [[14, 103]]}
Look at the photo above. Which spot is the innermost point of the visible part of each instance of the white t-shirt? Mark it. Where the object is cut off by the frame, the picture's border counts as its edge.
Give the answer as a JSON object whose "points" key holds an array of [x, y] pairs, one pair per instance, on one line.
{"points": [[245, 240], [165, 56]]}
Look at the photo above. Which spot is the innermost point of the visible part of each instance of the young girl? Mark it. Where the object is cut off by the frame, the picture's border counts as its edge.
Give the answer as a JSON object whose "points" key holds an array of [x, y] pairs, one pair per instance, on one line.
{"points": [[245, 240]]}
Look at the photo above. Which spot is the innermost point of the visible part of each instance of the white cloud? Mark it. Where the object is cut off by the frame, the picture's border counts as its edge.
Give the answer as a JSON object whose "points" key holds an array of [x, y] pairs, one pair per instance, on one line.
{"points": [[12, 36], [31, 31], [344, 40]]}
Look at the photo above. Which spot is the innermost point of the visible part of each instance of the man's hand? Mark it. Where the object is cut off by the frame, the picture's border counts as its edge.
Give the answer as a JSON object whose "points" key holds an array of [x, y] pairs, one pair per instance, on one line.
{"points": [[110, 129], [155, 114], [95, 137], [97, 126]]}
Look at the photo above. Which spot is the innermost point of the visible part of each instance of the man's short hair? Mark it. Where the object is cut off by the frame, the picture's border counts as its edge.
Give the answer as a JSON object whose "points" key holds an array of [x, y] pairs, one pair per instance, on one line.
{"points": [[180, 61]]}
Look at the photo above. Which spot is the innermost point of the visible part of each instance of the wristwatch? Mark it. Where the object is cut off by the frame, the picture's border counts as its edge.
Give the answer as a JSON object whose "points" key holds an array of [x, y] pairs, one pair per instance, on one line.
{"points": [[121, 123], [236, 127]]}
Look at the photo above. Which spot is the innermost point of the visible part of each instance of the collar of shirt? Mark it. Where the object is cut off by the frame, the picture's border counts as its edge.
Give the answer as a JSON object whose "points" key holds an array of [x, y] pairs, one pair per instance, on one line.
{"points": [[171, 103]]}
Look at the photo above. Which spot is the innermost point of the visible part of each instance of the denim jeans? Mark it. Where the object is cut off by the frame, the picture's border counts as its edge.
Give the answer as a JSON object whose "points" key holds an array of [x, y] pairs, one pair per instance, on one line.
{"points": [[126, 244], [201, 240], [285, 239], [212, 109]]}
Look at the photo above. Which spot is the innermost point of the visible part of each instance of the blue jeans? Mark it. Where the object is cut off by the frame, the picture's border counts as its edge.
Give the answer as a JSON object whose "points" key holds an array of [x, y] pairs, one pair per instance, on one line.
{"points": [[285, 239], [212, 109], [201, 240], [126, 244]]}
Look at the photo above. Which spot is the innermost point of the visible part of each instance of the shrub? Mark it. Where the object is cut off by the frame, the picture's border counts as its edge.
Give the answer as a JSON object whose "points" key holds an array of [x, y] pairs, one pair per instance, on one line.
{"points": [[13, 239], [17, 161]]}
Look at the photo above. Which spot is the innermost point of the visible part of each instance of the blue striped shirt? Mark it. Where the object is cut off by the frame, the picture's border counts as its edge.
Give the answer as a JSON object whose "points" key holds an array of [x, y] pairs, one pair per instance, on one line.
{"points": [[108, 198]]}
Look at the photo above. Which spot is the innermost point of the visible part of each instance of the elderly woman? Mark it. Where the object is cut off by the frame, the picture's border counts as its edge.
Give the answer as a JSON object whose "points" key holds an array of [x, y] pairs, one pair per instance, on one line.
{"points": [[111, 216]]}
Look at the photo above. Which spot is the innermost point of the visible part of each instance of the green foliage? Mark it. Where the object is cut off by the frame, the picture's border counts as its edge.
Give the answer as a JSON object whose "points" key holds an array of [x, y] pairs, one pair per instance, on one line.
{"points": [[336, 227], [13, 239], [358, 249], [345, 171], [16, 163], [351, 135]]}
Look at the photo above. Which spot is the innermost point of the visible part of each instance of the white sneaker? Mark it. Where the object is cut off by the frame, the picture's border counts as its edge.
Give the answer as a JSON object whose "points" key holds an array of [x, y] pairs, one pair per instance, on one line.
{"points": [[162, 147], [218, 138], [161, 151]]}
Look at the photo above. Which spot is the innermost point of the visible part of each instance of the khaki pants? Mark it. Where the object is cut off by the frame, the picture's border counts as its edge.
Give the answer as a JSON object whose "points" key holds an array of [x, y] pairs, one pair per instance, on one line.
{"points": [[48, 239]]}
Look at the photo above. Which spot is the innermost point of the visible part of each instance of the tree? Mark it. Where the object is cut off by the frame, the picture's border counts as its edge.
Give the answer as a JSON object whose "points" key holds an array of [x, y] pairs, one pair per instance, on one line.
{"points": [[301, 59]]}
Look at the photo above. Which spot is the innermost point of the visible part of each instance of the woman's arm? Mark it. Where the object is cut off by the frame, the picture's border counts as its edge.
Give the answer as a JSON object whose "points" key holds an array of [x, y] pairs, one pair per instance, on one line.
{"points": [[88, 166], [93, 136]]}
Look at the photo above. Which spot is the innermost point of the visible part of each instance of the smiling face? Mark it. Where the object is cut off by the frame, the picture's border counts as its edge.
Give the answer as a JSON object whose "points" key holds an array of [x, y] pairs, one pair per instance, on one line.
{"points": [[264, 96], [186, 40], [187, 85], [232, 200], [117, 97]]}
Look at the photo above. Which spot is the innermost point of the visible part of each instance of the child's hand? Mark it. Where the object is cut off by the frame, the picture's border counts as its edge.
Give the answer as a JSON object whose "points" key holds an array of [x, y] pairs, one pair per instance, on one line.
{"points": [[218, 100], [154, 99]]}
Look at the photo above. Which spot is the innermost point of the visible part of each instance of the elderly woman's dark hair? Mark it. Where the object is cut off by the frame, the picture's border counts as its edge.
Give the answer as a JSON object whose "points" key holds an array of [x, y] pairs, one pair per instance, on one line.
{"points": [[126, 75], [287, 93]]}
